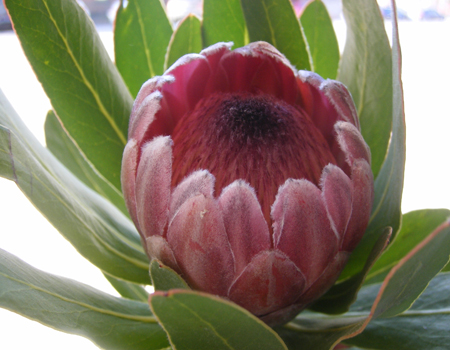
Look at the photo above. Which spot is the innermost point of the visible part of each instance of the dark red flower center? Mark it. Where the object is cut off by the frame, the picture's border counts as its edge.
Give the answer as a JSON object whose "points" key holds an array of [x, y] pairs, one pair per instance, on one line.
{"points": [[257, 138]]}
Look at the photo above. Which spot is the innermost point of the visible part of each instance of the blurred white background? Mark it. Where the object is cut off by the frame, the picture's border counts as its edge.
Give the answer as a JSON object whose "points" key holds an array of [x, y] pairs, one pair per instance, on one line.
{"points": [[25, 233]]}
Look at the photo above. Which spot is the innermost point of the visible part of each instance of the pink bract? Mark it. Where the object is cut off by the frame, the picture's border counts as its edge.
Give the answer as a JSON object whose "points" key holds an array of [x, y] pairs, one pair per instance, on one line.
{"points": [[284, 151]]}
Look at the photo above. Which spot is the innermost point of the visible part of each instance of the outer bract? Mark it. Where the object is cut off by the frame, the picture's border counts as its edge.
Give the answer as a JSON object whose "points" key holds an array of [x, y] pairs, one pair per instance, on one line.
{"points": [[281, 148]]}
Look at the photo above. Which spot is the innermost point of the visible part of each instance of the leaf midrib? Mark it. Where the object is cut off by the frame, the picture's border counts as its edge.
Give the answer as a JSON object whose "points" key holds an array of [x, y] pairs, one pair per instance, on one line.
{"points": [[86, 82], [272, 33], [144, 39], [144, 319], [209, 325]]}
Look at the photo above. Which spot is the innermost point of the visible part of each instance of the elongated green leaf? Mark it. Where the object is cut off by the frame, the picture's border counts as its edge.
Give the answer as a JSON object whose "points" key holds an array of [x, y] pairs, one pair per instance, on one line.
{"points": [[127, 289], [84, 87], [366, 69], [322, 41], [339, 298], [316, 332], [224, 21], [187, 38], [423, 327], [200, 321], [97, 229], [446, 268], [164, 278], [67, 152], [69, 306], [409, 278], [416, 225], [414, 272], [386, 210], [274, 21], [141, 35]]}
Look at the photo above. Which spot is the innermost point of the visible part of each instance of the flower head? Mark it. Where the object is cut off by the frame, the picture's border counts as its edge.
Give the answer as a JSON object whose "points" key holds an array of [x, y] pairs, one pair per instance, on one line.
{"points": [[247, 177]]}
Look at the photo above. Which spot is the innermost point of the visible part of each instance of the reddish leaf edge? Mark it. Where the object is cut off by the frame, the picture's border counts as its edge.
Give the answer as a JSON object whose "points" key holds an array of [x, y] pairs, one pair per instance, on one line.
{"points": [[389, 276]]}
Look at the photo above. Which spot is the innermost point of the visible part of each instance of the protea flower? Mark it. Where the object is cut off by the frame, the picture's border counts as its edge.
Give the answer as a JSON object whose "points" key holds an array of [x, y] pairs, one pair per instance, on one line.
{"points": [[247, 177]]}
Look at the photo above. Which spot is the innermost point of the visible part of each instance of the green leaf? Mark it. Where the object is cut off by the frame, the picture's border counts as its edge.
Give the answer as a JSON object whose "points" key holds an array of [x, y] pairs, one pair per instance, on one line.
{"points": [[164, 278], [224, 21], [339, 297], [423, 327], [416, 225], [366, 69], [85, 88], [386, 210], [67, 152], [316, 332], [321, 38], [446, 268], [198, 321], [274, 21], [409, 278], [127, 289], [97, 229], [70, 306], [187, 38], [141, 35]]}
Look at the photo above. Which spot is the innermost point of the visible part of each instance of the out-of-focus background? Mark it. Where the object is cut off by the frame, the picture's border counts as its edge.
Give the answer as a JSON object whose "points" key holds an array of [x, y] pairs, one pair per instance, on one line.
{"points": [[103, 11], [425, 39]]}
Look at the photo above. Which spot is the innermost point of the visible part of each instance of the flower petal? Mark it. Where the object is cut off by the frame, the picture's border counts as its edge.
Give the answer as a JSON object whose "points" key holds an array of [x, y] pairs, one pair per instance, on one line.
{"points": [[326, 279], [265, 49], [215, 52], [312, 100], [337, 196], [270, 282], [309, 84], [351, 142], [153, 181], [246, 228], [144, 116], [266, 79], [158, 248], [151, 115], [302, 229], [218, 80], [128, 178], [282, 316], [341, 100], [149, 87], [198, 239], [283, 70], [191, 73], [259, 67], [199, 182], [362, 194], [240, 66]]}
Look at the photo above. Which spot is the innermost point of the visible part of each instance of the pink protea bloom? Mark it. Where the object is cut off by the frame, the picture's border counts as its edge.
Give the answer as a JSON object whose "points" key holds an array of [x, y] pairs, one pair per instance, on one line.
{"points": [[247, 177]]}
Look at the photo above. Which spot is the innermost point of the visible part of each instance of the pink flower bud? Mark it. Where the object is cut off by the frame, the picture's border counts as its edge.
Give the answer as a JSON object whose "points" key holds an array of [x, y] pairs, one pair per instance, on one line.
{"points": [[247, 177]]}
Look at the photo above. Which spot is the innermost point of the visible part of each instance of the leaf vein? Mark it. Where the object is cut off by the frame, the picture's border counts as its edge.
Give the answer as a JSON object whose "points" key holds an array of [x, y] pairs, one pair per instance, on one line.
{"points": [[91, 89], [145, 319], [205, 322]]}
